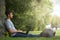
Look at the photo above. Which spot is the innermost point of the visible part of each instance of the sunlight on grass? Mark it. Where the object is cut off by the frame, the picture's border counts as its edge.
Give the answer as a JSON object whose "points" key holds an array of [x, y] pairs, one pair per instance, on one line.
{"points": [[58, 33], [35, 32]]}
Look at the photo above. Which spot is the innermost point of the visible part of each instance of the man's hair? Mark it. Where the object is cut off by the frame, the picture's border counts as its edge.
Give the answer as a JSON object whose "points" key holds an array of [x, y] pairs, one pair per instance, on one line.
{"points": [[8, 12]]}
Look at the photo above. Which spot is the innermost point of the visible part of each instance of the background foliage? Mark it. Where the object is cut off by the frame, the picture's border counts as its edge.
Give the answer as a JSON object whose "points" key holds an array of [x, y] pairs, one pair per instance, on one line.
{"points": [[32, 13]]}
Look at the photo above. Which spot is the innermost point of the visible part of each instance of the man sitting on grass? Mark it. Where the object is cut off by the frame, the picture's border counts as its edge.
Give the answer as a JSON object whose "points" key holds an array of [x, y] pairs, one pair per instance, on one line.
{"points": [[13, 32]]}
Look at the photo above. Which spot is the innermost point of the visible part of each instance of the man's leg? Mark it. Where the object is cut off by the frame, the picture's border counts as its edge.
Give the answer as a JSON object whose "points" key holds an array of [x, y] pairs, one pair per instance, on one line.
{"points": [[19, 34]]}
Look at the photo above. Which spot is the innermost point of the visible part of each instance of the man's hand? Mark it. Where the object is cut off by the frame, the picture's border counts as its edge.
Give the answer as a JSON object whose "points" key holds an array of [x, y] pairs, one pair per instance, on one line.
{"points": [[19, 31]]}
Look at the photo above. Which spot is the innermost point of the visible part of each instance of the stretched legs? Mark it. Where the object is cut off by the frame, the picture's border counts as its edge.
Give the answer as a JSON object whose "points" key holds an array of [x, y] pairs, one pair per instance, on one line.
{"points": [[19, 34]]}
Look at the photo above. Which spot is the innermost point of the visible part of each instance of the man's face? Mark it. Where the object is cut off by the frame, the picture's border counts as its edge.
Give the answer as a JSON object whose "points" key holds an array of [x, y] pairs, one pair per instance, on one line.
{"points": [[11, 15]]}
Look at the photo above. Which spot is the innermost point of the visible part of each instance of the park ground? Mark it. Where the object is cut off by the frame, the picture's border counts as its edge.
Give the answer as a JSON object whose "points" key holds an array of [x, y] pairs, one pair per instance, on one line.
{"points": [[57, 37]]}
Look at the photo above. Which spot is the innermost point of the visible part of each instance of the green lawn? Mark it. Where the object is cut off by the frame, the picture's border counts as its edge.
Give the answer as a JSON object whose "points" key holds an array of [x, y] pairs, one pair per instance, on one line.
{"points": [[57, 37]]}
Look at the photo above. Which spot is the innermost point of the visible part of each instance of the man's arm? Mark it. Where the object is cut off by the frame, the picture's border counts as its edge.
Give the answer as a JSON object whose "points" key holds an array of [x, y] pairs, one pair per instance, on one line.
{"points": [[13, 31], [19, 30]]}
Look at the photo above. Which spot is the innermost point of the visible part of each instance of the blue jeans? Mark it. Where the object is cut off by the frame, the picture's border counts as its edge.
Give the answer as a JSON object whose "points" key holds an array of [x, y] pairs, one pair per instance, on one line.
{"points": [[20, 34]]}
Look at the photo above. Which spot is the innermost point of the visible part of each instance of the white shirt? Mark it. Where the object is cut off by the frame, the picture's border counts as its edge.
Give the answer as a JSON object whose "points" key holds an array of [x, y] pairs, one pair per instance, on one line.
{"points": [[9, 25]]}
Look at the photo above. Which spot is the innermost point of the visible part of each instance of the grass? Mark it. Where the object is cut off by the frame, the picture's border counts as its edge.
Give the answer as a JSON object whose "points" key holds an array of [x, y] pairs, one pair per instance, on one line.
{"points": [[57, 37], [31, 38]]}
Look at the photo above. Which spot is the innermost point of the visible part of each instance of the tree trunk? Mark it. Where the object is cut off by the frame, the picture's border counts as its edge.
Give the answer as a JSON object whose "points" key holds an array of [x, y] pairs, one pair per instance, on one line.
{"points": [[2, 12]]}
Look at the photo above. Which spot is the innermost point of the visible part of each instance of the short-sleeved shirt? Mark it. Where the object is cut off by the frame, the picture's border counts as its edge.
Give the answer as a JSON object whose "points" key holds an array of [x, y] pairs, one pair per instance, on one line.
{"points": [[9, 25]]}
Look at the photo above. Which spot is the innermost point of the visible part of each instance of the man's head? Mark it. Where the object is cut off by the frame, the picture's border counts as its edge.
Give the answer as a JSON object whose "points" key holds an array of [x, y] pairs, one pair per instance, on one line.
{"points": [[9, 14]]}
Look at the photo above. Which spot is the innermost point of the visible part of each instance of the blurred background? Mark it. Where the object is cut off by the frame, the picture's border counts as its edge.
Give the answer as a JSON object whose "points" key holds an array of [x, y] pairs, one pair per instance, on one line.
{"points": [[34, 13]]}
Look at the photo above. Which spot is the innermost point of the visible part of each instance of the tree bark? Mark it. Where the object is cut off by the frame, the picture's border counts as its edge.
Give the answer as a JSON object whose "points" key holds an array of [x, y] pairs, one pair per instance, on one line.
{"points": [[2, 15]]}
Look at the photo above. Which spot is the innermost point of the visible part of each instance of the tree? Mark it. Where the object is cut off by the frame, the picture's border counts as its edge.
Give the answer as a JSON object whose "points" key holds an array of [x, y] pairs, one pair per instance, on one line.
{"points": [[2, 11]]}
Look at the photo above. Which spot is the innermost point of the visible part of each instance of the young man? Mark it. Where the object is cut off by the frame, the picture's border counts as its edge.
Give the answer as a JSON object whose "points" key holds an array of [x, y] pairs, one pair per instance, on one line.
{"points": [[13, 32]]}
